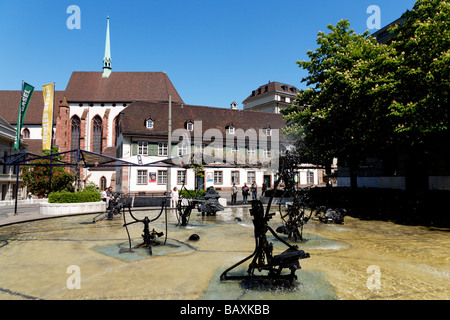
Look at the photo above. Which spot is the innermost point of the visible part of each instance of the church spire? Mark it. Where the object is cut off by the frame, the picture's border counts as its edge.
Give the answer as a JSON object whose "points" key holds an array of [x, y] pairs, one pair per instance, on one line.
{"points": [[107, 57]]}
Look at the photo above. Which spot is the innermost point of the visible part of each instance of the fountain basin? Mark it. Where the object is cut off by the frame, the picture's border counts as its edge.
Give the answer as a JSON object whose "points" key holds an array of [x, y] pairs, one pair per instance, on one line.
{"points": [[58, 209]]}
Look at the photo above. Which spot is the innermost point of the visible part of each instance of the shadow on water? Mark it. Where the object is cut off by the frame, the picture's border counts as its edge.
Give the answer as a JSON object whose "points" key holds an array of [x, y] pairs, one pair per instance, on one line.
{"points": [[310, 285]]}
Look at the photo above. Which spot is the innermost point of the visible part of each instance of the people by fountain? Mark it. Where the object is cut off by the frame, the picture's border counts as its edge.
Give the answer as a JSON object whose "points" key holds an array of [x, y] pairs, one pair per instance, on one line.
{"points": [[174, 197], [264, 188], [254, 189], [234, 191], [245, 192]]}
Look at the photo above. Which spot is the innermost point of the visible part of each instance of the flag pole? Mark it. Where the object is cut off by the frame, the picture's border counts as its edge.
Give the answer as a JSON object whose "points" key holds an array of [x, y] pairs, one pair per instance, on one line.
{"points": [[51, 141], [19, 129]]}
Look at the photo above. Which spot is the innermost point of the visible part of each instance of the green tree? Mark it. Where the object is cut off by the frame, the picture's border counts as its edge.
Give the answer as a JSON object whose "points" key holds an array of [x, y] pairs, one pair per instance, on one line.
{"points": [[37, 177], [336, 116], [368, 99], [419, 106], [422, 46]]}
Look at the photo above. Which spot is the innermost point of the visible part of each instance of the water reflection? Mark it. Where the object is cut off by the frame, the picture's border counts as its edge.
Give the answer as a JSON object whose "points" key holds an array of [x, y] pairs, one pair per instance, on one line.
{"points": [[413, 261]]}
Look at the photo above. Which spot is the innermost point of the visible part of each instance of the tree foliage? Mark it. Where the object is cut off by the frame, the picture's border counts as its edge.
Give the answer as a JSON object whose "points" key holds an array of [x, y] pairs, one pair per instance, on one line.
{"points": [[366, 99], [37, 177]]}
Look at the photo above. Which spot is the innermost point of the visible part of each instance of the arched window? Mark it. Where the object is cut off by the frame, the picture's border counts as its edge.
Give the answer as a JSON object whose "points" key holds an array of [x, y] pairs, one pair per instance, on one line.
{"points": [[102, 183], [26, 133], [116, 130], [97, 135], [75, 133]]}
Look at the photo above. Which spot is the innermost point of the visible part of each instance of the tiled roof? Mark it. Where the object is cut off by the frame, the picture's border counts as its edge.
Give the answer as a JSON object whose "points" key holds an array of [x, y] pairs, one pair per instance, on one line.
{"points": [[272, 87], [120, 87], [10, 102], [133, 118]]}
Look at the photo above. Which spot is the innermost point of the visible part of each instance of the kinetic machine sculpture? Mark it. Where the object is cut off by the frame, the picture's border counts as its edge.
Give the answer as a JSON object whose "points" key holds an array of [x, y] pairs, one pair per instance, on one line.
{"points": [[262, 255], [148, 237]]}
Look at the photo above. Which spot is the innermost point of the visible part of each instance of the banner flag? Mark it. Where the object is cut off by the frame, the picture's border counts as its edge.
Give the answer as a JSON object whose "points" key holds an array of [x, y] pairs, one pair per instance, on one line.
{"points": [[47, 116], [27, 91]]}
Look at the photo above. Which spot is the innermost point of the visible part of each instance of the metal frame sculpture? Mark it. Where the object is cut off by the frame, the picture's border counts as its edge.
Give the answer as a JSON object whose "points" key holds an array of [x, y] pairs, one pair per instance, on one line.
{"points": [[262, 255], [147, 236], [115, 206], [208, 205], [295, 217]]}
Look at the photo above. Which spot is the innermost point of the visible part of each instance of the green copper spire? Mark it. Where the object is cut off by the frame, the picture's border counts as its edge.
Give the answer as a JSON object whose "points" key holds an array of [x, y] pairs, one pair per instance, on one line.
{"points": [[107, 57]]}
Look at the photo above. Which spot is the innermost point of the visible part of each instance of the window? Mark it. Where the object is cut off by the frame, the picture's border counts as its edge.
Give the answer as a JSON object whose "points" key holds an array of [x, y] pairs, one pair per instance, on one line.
{"points": [[150, 123], [143, 147], [26, 133], [235, 177], [199, 148], [182, 149], [181, 176], [218, 177], [266, 153], [190, 126], [251, 176], [116, 130], [267, 131], [234, 149], [310, 177], [230, 129], [162, 177], [162, 149], [102, 183], [251, 150], [97, 135], [75, 135], [142, 177]]}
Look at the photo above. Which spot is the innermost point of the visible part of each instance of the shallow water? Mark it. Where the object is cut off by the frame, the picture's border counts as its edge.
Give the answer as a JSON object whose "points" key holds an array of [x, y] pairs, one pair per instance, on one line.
{"points": [[356, 260]]}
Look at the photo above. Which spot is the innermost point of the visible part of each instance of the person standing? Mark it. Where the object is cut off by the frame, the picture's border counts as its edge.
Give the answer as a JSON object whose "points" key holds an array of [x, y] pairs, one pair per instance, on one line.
{"points": [[174, 197], [106, 197], [254, 189], [234, 191], [245, 193], [264, 188]]}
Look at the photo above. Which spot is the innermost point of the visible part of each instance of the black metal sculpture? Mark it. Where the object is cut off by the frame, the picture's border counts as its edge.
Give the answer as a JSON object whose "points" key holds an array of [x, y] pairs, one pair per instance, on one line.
{"points": [[262, 256], [209, 203], [184, 209], [115, 206], [147, 236], [296, 214], [330, 215]]}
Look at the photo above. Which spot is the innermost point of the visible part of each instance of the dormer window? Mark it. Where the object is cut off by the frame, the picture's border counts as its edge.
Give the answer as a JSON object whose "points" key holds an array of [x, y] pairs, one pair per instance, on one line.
{"points": [[267, 131], [190, 126], [230, 129], [149, 123]]}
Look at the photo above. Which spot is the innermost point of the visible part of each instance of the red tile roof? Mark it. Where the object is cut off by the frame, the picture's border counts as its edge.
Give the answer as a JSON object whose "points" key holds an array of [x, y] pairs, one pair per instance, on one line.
{"points": [[272, 87], [133, 118], [10, 102], [120, 87]]}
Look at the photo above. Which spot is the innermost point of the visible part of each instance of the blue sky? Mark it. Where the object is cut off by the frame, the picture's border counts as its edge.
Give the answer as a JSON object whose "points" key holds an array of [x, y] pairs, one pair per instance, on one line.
{"points": [[214, 51]]}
